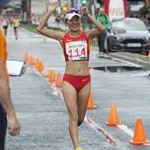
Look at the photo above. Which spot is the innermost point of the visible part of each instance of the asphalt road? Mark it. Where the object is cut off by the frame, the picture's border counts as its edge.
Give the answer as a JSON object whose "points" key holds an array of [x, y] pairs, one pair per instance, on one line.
{"points": [[42, 111]]}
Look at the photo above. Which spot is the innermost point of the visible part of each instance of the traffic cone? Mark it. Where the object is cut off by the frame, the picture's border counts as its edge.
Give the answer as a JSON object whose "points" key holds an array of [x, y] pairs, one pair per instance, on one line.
{"points": [[36, 63], [91, 104], [58, 80], [113, 119], [139, 137], [26, 57], [31, 60], [41, 66], [51, 76]]}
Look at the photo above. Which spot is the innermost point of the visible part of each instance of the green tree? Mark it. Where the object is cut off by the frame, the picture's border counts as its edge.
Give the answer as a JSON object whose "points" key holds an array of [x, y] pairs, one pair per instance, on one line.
{"points": [[145, 9]]}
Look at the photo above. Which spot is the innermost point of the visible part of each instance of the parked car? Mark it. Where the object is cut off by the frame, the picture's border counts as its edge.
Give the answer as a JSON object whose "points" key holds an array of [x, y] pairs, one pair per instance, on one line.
{"points": [[129, 34]]}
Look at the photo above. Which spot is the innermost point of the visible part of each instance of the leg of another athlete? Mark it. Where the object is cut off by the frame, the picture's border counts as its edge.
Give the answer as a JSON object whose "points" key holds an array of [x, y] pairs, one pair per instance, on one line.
{"points": [[82, 100], [15, 32], [6, 31], [70, 97]]}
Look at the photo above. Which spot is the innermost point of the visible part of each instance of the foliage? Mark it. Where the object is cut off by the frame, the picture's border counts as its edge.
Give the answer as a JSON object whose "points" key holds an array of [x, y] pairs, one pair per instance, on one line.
{"points": [[145, 10]]}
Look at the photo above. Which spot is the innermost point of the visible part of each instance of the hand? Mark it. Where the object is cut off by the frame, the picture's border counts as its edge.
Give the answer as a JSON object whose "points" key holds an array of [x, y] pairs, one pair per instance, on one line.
{"points": [[53, 6], [84, 10], [13, 126]]}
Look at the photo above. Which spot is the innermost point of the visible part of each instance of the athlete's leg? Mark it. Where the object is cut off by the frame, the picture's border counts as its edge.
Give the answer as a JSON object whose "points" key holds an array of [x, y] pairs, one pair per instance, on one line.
{"points": [[16, 33], [6, 31], [70, 97], [82, 100]]}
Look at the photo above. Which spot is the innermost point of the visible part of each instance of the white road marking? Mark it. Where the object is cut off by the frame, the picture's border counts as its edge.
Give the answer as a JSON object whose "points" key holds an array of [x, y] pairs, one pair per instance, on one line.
{"points": [[100, 130]]}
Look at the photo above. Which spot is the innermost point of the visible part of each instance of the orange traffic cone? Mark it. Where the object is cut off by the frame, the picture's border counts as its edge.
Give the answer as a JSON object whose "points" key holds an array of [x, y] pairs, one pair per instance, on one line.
{"points": [[51, 76], [139, 137], [58, 80], [36, 63], [31, 60], [113, 118], [26, 57], [91, 104], [41, 67]]}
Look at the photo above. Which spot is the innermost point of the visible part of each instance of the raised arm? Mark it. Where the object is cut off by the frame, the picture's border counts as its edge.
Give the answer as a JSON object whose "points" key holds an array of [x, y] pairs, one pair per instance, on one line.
{"points": [[42, 25], [98, 29]]}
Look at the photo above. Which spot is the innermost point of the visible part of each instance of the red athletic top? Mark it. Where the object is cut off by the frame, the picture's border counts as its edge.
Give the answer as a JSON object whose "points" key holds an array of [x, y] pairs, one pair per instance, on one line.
{"points": [[76, 48]]}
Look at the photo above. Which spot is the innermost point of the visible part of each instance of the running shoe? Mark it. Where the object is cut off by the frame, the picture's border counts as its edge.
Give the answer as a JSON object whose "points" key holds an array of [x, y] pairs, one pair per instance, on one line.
{"points": [[79, 148]]}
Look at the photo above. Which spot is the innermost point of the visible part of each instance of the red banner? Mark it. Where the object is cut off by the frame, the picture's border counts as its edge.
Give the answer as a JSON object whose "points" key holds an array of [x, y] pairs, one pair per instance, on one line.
{"points": [[116, 9]]}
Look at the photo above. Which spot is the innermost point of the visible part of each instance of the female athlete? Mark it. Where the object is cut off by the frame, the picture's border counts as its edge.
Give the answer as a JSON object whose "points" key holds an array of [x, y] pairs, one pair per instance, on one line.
{"points": [[76, 80]]}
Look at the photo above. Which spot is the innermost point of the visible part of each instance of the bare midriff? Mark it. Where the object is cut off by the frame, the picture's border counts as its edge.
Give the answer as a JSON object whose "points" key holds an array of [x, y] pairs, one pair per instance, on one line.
{"points": [[78, 68]]}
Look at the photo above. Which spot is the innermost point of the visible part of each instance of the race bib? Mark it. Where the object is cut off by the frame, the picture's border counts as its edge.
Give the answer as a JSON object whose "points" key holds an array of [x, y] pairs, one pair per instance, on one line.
{"points": [[76, 50]]}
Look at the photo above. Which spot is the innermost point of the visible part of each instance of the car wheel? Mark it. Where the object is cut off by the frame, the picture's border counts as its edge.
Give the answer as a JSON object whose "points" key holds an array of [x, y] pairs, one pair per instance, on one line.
{"points": [[147, 53]]}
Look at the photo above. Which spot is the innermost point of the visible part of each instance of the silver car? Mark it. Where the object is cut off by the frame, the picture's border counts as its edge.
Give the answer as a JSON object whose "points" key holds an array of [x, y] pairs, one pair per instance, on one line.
{"points": [[129, 34]]}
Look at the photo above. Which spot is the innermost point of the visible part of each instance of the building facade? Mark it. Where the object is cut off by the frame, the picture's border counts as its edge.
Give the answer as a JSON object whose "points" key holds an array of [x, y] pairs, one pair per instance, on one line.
{"points": [[38, 7]]}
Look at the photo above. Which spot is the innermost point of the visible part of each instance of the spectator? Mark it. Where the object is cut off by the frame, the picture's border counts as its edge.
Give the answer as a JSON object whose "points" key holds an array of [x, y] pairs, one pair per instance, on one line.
{"points": [[104, 20], [6, 105]]}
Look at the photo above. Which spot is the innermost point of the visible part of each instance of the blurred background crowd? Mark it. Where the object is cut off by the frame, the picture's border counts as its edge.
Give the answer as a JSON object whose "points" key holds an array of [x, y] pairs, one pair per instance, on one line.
{"points": [[30, 11]]}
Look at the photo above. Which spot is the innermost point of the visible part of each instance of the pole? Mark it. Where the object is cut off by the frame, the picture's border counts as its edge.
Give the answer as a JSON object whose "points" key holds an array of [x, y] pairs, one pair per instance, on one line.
{"points": [[23, 5], [28, 10]]}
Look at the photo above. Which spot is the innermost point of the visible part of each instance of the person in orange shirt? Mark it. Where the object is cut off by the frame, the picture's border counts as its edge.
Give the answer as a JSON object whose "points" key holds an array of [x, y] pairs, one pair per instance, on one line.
{"points": [[7, 111]]}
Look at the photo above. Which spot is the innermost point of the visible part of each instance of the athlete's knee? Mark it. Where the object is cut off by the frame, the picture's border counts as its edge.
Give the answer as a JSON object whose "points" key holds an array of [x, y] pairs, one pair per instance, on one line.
{"points": [[79, 122]]}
